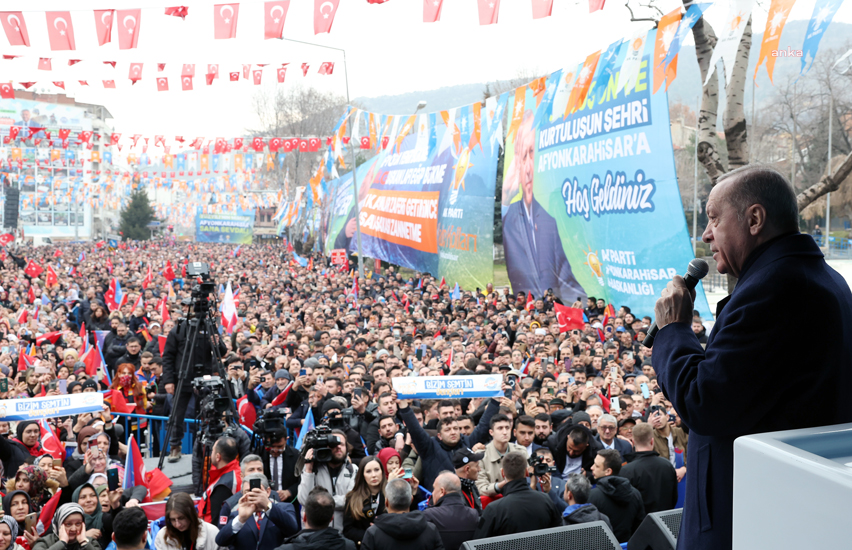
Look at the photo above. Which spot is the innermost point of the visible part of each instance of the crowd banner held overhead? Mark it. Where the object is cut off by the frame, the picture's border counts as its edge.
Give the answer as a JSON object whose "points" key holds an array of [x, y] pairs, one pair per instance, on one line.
{"points": [[224, 228], [591, 205], [50, 407], [426, 197], [448, 387], [338, 256]]}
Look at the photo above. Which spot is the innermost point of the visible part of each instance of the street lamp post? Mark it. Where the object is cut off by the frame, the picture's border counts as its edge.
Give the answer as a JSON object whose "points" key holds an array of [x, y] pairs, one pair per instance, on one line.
{"points": [[351, 150]]}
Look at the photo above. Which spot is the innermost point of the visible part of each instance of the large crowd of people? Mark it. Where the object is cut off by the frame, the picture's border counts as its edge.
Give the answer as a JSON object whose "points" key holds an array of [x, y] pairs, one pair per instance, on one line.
{"points": [[582, 432]]}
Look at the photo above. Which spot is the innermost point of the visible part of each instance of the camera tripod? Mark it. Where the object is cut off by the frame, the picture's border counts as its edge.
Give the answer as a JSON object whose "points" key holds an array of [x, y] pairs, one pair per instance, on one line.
{"points": [[200, 317]]}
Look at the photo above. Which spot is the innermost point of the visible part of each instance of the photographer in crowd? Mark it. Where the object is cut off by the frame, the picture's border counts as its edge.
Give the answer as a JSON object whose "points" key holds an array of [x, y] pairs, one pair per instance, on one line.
{"points": [[327, 465]]}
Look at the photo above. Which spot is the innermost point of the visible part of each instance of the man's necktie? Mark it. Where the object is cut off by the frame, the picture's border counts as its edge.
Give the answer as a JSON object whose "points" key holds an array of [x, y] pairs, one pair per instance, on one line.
{"points": [[275, 486]]}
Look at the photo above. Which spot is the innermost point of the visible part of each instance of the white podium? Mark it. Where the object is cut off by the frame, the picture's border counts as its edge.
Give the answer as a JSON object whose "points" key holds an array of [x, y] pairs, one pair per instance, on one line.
{"points": [[793, 489]]}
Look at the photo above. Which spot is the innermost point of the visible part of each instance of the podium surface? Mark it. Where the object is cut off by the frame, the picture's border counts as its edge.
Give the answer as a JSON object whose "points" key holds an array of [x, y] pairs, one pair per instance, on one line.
{"points": [[793, 489]]}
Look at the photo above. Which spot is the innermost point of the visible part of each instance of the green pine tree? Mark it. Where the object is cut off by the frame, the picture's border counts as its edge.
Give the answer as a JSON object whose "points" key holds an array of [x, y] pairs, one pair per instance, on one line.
{"points": [[135, 216]]}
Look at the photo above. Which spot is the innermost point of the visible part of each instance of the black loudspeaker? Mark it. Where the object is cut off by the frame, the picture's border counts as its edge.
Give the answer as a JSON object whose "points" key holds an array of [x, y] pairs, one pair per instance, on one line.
{"points": [[585, 536], [10, 207], [658, 531]]}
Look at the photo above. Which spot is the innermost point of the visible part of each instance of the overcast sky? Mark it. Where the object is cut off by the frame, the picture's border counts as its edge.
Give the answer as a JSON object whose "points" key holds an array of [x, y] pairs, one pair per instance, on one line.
{"points": [[389, 50]]}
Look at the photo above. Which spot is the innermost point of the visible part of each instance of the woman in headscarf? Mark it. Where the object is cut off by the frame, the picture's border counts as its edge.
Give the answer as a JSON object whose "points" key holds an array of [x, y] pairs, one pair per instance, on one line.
{"points": [[8, 533], [98, 521], [35, 482], [21, 449], [18, 504], [69, 531], [390, 459], [184, 529], [76, 461]]}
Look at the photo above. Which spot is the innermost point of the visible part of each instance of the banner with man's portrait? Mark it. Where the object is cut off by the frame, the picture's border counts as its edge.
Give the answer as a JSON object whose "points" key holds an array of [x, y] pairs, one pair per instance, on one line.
{"points": [[426, 199], [590, 199]]}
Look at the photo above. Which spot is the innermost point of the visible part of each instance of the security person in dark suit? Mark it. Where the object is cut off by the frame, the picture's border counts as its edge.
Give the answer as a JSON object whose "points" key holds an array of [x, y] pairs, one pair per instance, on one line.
{"points": [[279, 465], [753, 232]]}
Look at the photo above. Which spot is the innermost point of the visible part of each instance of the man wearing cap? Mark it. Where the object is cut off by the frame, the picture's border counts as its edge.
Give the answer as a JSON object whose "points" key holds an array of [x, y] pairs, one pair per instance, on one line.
{"points": [[467, 465]]}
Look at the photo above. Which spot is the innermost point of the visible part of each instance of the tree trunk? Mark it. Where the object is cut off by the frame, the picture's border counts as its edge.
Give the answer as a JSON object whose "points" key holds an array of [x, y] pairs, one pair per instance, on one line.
{"points": [[708, 156], [826, 184], [736, 137]]}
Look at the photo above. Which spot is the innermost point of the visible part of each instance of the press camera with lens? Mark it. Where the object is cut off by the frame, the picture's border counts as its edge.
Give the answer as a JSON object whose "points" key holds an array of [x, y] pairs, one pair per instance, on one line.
{"points": [[322, 442]]}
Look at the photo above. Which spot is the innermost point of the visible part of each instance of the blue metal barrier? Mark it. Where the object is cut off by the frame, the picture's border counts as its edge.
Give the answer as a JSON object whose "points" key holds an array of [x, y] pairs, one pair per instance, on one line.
{"points": [[160, 427]]}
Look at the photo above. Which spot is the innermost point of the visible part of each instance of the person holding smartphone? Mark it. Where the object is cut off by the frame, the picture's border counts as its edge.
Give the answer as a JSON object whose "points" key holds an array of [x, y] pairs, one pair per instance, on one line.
{"points": [[258, 522]]}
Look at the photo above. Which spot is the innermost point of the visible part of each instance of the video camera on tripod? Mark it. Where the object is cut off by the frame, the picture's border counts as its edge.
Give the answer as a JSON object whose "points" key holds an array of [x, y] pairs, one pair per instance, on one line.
{"points": [[214, 412]]}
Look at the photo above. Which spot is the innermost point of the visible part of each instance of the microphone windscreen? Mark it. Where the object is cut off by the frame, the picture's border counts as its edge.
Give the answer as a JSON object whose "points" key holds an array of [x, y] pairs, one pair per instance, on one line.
{"points": [[698, 268]]}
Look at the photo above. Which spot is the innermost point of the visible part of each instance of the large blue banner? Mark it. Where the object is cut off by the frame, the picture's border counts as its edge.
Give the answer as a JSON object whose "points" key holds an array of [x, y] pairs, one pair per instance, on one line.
{"points": [[591, 205], [224, 228], [426, 202]]}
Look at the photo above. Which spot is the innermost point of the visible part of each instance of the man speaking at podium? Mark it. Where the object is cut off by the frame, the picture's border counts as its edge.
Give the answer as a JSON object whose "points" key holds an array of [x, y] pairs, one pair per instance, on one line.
{"points": [[779, 356]]}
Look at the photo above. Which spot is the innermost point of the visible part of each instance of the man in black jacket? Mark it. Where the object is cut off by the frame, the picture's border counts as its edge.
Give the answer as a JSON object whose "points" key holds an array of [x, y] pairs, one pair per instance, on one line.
{"points": [[172, 355], [279, 464], [317, 535], [400, 529], [651, 474], [579, 509], [615, 497], [521, 509], [436, 453], [574, 449], [455, 519]]}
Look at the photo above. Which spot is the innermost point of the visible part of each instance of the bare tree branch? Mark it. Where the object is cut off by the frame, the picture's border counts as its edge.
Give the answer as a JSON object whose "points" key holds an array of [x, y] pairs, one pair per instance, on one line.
{"points": [[826, 184], [736, 136]]}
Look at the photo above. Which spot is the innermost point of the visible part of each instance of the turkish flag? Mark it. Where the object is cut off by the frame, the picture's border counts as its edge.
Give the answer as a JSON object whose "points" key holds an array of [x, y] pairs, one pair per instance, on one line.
{"points": [[288, 145], [542, 8], [274, 144], [188, 69], [313, 145], [294, 143], [114, 137], [303, 146], [178, 11], [52, 279], [6, 238], [15, 28], [365, 142], [273, 19], [186, 83], [128, 28], [135, 72], [432, 10], [569, 318], [324, 11], [385, 141], [488, 11], [169, 272], [282, 72], [234, 76], [257, 144], [159, 140], [256, 76], [326, 67], [246, 69], [84, 136], [64, 133], [238, 143], [44, 64], [595, 5], [225, 20], [6, 91], [162, 84], [213, 69], [345, 140], [60, 30], [109, 83], [305, 68], [103, 25], [33, 269]]}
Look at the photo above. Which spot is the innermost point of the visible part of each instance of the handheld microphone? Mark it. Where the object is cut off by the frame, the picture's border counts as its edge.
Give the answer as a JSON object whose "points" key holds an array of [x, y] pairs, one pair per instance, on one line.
{"points": [[696, 271]]}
